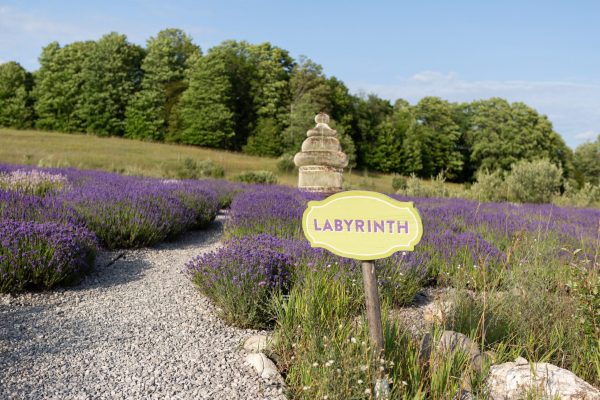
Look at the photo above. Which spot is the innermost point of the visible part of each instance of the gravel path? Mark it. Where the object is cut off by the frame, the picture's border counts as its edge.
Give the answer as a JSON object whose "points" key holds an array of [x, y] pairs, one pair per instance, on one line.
{"points": [[133, 328]]}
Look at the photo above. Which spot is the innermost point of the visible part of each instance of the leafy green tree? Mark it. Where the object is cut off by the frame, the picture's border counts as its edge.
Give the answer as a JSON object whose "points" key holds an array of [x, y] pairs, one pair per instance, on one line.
{"points": [[267, 139], [309, 94], [587, 161], [16, 108], [370, 113], [169, 55], [206, 111], [59, 86], [439, 136], [111, 75], [391, 135], [501, 134], [270, 89]]}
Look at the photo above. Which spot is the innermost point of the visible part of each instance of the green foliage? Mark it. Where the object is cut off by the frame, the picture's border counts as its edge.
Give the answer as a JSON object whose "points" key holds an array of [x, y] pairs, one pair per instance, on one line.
{"points": [[192, 169], [416, 187], [586, 160], [257, 98], [265, 177], [206, 113], [399, 183], [110, 75], [168, 58], [435, 140], [59, 86], [586, 196], [266, 140], [85, 86], [286, 164], [490, 186], [501, 134], [533, 181], [16, 107]]}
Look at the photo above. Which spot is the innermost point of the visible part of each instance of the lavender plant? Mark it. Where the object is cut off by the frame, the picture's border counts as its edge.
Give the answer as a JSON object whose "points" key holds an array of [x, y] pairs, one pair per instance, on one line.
{"points": [[43, 255]]}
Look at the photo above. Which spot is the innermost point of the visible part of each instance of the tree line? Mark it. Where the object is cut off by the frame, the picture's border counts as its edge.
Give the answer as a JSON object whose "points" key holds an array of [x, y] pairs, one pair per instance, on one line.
{"points": [[257, 99]]}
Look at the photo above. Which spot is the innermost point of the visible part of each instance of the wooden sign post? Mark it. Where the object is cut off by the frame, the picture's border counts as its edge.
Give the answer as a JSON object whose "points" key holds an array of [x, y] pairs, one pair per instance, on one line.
{"points": [[365, 226]]}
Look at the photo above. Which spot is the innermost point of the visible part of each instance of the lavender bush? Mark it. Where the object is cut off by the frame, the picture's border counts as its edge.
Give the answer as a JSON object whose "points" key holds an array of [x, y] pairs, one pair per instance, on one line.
{"points": [[60, 214], [42, 255]]}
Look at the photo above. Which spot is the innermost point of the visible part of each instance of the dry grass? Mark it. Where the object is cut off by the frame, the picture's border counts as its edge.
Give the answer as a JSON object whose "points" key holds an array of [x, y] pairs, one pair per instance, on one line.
{"points": [[53, 149]]}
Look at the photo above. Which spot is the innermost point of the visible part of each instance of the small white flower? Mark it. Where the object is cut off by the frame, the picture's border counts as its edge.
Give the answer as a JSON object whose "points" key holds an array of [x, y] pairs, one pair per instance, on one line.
{"points": [[316, 364], [353, 340], [306, 388], [359, 381], [367, 391]]}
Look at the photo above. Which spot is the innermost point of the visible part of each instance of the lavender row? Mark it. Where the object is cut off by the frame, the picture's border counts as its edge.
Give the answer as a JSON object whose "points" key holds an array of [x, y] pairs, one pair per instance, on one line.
{"points": [[43, 209]]}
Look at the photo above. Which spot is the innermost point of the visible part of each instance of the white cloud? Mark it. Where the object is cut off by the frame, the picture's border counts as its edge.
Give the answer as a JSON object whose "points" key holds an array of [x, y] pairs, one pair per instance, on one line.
{"points": [[588, 135], [572, 106], [14, 21]]}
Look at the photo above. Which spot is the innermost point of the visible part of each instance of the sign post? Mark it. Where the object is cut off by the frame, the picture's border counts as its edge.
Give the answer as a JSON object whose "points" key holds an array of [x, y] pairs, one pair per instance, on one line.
{"points": [[364, 226]]}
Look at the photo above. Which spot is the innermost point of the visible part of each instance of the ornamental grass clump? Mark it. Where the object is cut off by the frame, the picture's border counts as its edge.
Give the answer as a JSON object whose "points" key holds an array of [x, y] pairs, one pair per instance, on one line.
{"points": [[43, 255], [242, 276]]}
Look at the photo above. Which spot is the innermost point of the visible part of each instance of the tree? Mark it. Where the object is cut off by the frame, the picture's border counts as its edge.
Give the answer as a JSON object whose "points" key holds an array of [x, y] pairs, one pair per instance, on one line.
{"points": [[370, 113], [169, 56], [309, 94], [587, 161], [111, 75], [59, 86], [501, 134], [391, 134], [271, 97], [439, 136], [206, 112], [16, 109]]}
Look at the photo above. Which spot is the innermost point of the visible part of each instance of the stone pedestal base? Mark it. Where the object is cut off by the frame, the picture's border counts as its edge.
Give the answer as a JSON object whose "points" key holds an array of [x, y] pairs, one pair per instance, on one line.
{"points": [[317, 178]]}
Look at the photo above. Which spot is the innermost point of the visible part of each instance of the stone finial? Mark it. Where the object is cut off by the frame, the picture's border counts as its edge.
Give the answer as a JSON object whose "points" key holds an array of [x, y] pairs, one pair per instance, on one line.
{"points": [[321, 160]]}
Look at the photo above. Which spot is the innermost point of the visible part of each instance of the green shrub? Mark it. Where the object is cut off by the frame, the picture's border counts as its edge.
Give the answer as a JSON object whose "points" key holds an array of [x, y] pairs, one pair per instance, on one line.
{"points": [[533, 181], [490, 186], [286, 164], [587, 196], [399, 183], [416, 187], [266, 177], [191, 169]]}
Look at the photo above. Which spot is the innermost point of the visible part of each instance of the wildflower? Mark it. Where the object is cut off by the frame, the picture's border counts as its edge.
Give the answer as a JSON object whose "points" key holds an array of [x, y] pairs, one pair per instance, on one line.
{"points": [[306, 388], [360, 381], [367, 391], [315, 364], [353, 340]]}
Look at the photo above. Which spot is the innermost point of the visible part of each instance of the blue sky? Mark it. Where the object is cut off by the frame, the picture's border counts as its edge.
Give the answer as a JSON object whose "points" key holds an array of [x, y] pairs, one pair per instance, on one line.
{"points": [[544, 53]]}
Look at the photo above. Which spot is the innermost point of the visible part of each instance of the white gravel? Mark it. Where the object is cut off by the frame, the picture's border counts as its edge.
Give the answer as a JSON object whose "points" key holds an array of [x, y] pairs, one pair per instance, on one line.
{"points": [[136, 328]]}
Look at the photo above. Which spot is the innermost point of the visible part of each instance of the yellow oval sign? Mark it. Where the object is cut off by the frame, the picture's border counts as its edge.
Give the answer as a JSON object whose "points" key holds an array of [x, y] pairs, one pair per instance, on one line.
{"points": [[362, 225]]}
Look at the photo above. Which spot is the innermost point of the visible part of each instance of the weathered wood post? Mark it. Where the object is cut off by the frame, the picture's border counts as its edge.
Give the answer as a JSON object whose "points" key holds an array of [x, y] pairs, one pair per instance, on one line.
{"points": [[321, 160]]}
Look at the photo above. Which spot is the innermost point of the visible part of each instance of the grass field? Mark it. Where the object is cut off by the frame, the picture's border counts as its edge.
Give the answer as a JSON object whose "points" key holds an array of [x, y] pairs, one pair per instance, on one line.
{"points": [[132, 157]]}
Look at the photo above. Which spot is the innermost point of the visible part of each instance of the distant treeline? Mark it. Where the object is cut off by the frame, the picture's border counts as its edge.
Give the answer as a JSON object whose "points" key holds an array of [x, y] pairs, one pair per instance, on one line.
{"points": [[258, 99]]}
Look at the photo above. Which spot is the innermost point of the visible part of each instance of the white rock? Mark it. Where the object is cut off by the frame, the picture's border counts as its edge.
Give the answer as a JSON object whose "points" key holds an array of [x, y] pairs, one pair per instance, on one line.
{"points": [[256, 343], [263, 366], [521, 361], [511, 381]]}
